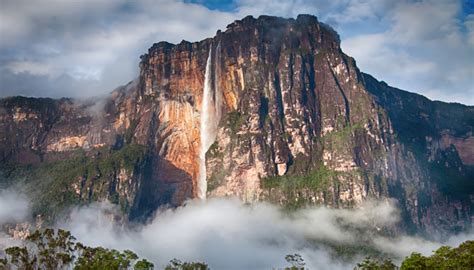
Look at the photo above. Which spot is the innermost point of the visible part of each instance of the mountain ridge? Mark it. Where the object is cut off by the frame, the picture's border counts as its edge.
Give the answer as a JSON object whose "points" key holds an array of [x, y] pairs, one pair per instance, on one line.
{"points": [[299, 124]]}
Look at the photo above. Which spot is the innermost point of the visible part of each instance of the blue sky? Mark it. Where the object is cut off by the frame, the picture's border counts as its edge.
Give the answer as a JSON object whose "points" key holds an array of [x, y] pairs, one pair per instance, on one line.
{"points": [[86, 48], [224, 5]]}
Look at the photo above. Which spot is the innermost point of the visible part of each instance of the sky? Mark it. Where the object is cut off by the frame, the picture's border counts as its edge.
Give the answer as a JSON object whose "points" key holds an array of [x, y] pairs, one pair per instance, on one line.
{"points": [[56, 48]]}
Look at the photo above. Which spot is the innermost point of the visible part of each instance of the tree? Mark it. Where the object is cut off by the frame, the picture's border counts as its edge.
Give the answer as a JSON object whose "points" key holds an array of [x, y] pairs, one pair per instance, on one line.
{"points": [[296, 261], [415, 261], [43, 250], [101, 258], [372, 264], [176, 264], [459, 258], [444, 258], [48, 249]]}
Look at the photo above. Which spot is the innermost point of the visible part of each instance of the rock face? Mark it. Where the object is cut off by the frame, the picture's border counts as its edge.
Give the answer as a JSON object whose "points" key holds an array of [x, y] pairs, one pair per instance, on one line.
{"points": [[295, 123]]}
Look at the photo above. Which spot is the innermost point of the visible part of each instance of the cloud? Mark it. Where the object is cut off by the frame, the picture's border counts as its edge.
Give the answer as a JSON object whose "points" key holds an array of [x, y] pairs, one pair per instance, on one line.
{"points": [[95, 44], [227, 234], [469, 24], [358, 10], [424, 46], [423, 49], [31, 67], [420, 46], [13, 206], [281, 7]]}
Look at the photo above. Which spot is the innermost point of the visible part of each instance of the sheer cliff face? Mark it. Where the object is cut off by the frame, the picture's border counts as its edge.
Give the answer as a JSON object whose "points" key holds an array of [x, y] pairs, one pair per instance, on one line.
{"points": [[295, 123]]}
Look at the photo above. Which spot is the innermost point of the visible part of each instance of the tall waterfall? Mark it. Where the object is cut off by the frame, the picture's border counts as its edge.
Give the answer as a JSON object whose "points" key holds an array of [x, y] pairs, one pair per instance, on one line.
{"points": [[210, 115], [217, 90], [206, 127]]}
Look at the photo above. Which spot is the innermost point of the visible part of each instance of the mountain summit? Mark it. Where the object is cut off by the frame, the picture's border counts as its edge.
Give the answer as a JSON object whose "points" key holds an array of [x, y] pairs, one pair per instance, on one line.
{"points": [[269, 109]]}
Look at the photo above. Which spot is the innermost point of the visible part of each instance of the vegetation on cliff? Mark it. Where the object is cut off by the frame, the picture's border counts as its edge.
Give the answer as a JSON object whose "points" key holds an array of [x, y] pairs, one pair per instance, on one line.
{"points": [[293, 186], [80, 178], [316, 180]]}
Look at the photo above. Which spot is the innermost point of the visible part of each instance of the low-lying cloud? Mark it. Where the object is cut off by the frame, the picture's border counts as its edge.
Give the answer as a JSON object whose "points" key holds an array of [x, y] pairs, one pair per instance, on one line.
{"points": [[13, 206], [227, 234]]}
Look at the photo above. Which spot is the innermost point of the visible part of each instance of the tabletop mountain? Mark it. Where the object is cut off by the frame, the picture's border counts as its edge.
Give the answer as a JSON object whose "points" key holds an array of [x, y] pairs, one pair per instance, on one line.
{"points": [[269, 109]]}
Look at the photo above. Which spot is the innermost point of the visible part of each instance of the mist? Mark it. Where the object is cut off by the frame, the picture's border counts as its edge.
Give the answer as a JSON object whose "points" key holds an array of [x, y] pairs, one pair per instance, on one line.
{"points": [[13, 206], [228, 234]]}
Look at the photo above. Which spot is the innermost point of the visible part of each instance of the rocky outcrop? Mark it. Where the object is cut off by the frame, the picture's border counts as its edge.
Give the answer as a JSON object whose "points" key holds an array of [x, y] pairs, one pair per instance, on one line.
{"points": [[297, 124]]}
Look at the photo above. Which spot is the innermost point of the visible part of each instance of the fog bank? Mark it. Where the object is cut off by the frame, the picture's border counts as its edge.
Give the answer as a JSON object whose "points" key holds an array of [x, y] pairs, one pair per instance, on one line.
{"points": [[227, 234], [13, 206]]}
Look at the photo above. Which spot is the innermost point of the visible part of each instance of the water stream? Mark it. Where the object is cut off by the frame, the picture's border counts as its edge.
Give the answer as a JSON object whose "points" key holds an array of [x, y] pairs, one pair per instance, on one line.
{"points": [[210, 115], [205, 126]]}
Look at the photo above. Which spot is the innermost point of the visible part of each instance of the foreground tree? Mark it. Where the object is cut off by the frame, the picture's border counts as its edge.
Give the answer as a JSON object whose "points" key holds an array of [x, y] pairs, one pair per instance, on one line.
{"points": [[444, 258], [49, 249], [459, 258], [373, 264], [176, 264], [296, 261]]}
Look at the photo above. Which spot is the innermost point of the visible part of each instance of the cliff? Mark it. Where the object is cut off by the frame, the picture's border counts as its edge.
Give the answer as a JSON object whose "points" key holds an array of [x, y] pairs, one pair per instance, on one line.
{"points": [[269, 109]]}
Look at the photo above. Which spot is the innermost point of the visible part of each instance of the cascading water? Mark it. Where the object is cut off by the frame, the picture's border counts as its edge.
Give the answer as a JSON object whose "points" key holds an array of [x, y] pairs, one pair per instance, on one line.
{"points": [[210, 116], [217, 92], [205, 126]]}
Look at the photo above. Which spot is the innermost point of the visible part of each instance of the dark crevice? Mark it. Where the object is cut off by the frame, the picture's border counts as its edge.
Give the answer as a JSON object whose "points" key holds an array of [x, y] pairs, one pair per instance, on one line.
{"points": [[279, 99], [346, 101]]}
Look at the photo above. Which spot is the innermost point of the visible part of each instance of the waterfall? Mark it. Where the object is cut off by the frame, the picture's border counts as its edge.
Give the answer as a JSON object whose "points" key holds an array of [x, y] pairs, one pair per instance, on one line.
{"points": [[217, 92], [210, 115], [205, 126]]}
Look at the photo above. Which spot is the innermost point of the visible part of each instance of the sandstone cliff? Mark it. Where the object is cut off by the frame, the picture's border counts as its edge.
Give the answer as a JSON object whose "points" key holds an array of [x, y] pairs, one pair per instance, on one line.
{"points": [[291, 118]]}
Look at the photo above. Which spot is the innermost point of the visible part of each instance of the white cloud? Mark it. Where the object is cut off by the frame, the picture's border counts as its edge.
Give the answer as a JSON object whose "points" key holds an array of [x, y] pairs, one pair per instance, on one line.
{"points": [[423, 46], [378, 56], [282, 8], [87, 41], [425, 21], [469, 24], [227, 234], [34, 68], [13, 206], [423, 49], [358, 10]]}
